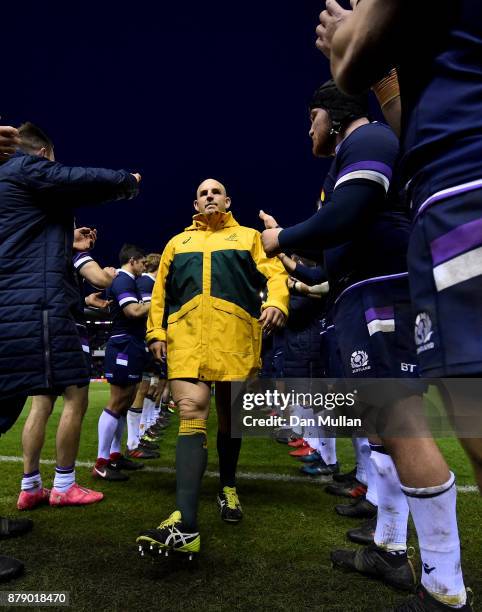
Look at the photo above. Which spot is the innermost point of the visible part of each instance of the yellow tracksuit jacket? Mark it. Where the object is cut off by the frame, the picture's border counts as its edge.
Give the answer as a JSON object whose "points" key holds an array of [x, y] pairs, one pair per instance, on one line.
{"points": [[206, 300]]}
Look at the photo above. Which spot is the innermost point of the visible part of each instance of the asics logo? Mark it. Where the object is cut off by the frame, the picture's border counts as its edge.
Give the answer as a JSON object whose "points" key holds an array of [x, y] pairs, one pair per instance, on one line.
{"points": [[427, 569]]}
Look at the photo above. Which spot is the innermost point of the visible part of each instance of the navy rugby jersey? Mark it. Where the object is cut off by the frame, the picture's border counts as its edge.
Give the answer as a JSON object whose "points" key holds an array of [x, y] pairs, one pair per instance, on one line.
{"points": [[379, 247], [122, 292], [145, 286], [79, 260], [441, 88]]}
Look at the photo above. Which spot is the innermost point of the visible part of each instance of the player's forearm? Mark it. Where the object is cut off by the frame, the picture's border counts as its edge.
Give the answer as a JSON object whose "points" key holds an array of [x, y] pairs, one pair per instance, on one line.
{"points": [[309, 276], [98, 278], [387, 91], [136, 311], [336, 223], [363, 47], [288, 264]]}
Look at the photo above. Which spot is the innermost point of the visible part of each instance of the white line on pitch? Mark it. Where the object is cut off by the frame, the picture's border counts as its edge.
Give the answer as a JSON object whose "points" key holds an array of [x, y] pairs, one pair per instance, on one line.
{"points": [[243, 475]]}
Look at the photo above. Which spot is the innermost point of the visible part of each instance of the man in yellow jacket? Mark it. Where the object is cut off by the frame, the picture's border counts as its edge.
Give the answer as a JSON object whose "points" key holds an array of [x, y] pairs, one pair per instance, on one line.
{"points": [[206, 315]]}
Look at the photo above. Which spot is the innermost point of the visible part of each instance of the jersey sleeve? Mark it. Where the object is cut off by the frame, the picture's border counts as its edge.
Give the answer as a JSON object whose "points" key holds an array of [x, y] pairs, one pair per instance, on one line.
{"points": [[145, 286], [124, 290], [367, 156], [80, 259], [364, 170]]}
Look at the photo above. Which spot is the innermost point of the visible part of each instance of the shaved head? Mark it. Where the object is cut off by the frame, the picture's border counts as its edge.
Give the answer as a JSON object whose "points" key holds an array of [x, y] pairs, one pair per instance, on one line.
{"points": [[210, 183], [211, 197]]}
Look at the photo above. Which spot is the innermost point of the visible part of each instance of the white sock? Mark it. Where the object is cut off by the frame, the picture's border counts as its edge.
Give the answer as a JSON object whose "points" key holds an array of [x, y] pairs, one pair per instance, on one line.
{"points": [[392, 517], [133, 422], [144, 424], [116, 446], [296, 411], [360, 444], [433, 511], [31, 482], [327, 448], [152, 413], [309, 431], [64, 478], [107, 427], [365, 469]]}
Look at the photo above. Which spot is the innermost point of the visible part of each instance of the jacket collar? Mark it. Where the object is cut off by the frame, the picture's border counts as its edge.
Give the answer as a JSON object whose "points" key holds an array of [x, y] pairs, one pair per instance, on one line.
{"points": [[213, 222]]}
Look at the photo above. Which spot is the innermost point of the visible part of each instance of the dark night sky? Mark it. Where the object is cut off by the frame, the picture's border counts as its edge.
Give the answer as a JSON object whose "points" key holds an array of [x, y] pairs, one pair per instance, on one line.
{"points": [[177, 91]]}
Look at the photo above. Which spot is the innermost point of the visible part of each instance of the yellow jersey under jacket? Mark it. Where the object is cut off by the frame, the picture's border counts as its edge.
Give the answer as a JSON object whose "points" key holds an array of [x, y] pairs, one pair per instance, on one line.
{"points": [[206, 300]]}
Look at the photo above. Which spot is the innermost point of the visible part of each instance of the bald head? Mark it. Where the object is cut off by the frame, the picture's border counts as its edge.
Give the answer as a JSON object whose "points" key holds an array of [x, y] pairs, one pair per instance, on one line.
{"points": [[211, 197]]}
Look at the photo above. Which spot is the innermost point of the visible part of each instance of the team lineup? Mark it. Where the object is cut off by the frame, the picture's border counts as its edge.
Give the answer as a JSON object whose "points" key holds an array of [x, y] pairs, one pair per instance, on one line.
{"points": [[383, 281]]}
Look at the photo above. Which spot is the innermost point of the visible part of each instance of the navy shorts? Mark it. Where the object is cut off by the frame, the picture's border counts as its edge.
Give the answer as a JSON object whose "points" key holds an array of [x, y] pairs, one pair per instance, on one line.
{"points": [[445, 268], [373, 322], [330, 353], [125, 360]]}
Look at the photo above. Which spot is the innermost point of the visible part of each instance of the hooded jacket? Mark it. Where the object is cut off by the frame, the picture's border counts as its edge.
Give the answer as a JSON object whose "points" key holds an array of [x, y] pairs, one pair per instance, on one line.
{"points": [[206, 300]]}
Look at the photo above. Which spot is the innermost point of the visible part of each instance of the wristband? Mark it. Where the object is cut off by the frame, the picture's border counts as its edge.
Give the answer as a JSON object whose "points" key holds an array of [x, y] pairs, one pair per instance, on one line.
{"points": [[387, 89]]}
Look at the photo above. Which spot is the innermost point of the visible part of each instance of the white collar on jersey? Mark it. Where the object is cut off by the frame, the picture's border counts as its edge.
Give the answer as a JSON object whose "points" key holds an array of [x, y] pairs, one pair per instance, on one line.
{"points": [[149, 275], [128, 274]]}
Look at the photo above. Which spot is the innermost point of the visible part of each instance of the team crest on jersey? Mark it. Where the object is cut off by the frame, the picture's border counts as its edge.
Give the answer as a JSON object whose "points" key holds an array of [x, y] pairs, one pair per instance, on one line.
{"points": [[359, 362], [423, 333]]}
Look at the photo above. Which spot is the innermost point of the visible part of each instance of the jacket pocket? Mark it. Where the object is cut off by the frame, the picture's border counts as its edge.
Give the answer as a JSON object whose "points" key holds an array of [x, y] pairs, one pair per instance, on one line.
{"points": [[232, 329], [184, 327]]}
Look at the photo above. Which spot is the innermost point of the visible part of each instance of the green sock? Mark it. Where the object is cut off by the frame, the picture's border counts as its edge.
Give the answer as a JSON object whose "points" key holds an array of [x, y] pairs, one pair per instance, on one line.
{"points": [[191, 460]]}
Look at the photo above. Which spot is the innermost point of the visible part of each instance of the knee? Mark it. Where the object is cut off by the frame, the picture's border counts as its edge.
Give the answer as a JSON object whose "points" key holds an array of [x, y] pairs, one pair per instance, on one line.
{"points": [[189, 408]]}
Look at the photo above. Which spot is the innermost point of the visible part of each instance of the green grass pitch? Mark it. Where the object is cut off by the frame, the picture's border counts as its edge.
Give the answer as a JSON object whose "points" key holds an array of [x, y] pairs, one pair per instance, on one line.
{"points": [[277, 558]]}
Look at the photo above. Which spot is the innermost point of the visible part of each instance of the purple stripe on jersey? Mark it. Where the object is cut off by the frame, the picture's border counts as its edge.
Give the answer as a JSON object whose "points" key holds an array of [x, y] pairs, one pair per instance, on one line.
{"points": [[144, 295], [80, 255], [368, 165], [449, 193], [368, 281], [127, 295], [457, 241], [384, 313], [122, 356]]}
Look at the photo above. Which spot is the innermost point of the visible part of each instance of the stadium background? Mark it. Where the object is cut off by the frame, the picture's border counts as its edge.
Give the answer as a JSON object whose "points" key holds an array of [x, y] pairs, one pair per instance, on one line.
{"points": [[178, 92]]}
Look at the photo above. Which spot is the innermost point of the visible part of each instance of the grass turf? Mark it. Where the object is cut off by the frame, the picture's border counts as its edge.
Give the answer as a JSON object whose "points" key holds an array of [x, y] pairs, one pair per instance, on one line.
{"points": [[277, 558]]}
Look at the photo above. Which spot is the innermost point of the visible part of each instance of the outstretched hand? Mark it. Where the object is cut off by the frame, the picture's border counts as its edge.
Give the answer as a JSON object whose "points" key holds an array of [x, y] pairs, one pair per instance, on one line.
{"points": [[330, 21], [95, 301], [9, 141], [84, 238], [268, 220]]}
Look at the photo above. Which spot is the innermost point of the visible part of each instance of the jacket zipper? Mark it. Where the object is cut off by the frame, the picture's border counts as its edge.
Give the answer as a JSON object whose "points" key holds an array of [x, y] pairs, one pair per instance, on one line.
{"points": [[46, 338]]}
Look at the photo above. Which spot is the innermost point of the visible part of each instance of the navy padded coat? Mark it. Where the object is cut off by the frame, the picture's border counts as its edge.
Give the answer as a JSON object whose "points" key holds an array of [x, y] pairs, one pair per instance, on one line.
{"points": [[39, 345]]}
